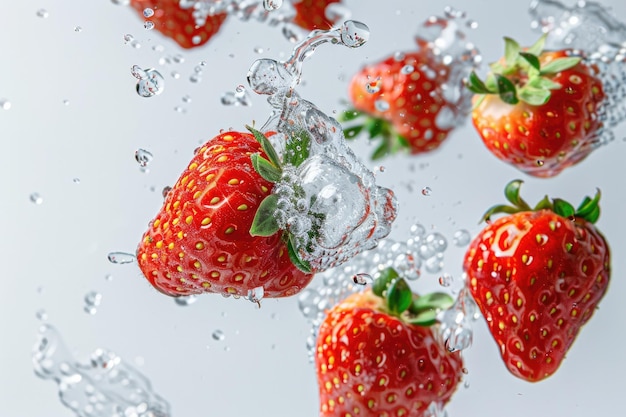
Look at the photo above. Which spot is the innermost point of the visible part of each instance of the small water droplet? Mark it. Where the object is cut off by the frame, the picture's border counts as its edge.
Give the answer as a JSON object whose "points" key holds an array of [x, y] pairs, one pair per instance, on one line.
{"points": [[148, 25], [128, 38], [150, 82], [362, 278], [218, 335], [76, 180], [185, 300], [258, 50], [472, 24], [41, 314], [78, 29], [121, 258], [5, 104], [36, 198], [43, 13], [166, 190], [461, 238], [540, 162], [427, 191], [271, 5], [186, 99], [381, 105], [92, 301], [195, 78], [148, 12], [143, 157], [108, 277], [446, 280], [407, 69]]}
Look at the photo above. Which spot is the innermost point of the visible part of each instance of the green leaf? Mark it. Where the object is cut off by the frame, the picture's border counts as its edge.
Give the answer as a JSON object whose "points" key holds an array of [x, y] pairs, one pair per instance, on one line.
{"points": [[349, 115], [374, 127], [382, 282], [506, 89], [399, 296], [490, 83], [352, 132], [543, 82], [265, 169], [380, 152], [543, 204], [434, 301], [589, 206], [511, 51], [266, 145], [512, 191], [538, 46], [531, 59], [299, 263], [424, 318], [476, 85], [534, 96], [264, 223], [497, 209], [594, 215], [563, 208], [297, 148], [559, 65]]}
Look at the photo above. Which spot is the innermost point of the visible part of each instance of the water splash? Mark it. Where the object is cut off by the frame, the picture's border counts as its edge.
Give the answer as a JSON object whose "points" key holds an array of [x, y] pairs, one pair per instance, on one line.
{"points": [[107, 386], [150, 81], [455, 327], [592, 31]]}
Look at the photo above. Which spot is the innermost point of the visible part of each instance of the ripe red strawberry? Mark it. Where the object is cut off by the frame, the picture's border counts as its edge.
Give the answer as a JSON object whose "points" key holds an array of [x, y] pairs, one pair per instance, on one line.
{"points": [[201, 239], [538, 110], [537, 275], [376, 355], [401, 97], [188, 26], [311, 14]]}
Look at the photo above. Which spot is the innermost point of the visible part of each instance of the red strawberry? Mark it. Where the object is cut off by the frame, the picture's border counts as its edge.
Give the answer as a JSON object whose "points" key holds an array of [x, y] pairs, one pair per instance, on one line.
{"points": [[402, 98], [201, 239], [537, 275], [188, 26], [375, 355], [311, 14], [538, 110]]}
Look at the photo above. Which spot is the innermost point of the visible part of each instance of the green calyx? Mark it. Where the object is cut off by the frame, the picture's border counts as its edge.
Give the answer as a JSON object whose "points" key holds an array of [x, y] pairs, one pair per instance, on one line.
{"points": [[589, 208], [271, 169], [402, 303], [360, 122], [521, 77]]}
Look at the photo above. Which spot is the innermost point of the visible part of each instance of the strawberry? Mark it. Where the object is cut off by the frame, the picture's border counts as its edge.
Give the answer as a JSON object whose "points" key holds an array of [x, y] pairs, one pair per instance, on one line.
{"points": [[401, 98], [538, 275], [203, 239], [183, 21], [311, 14], [376, 355], [538, 110]]}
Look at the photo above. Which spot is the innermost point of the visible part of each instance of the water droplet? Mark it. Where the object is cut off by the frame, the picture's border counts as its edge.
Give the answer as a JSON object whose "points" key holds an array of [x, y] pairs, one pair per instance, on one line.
{"points": [[472, 24], [43, 13], [186, 99], [41, 314], [78, 29], [362, 279], [271, 5], [426, 191], [381, 105], [148, 25], [143, 157], [461, 238], [166, 190], [407, 69], [108, 277], [354, 34], [92, 301], [195, 78], [185, 300], [150, 82], [128, 38], [5, 104], [218, 335], [446, 280], [258, 50], [121, 2], [434, 264], [148, 12], [121, 258]]}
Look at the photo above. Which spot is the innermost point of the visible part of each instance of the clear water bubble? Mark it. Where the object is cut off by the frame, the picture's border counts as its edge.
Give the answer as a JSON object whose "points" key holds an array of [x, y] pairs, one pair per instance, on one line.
{"points": [[461, 238], [148, 25], [218, 335], [255, 295], [143, 157], [121, 2], [78, 29], [185, 300], [362, 279], [195, 78], [43, 13], [427, 191], [374, 86], [381, 105], [148, 12], [5, 104], [150, 82], [446, 280], [92, 301], [36, 198], [434, 264], [271, 5], [108, 277], [128, 38], [240, 97], [121, 258], [354, 34], [417, 230], [41, 314], [102, 387], [407, 69]]}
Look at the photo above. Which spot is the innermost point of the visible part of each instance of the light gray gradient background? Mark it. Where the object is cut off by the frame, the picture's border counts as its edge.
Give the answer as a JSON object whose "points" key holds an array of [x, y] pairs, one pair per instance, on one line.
{"points": [[61, 245]]}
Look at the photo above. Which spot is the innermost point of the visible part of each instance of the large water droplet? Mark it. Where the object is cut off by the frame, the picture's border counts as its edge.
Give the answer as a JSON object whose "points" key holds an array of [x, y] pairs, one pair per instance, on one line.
{"points": [[150, 82], [461, 238], [185, 300], [121, 258], [148, 12], [354, 34]]}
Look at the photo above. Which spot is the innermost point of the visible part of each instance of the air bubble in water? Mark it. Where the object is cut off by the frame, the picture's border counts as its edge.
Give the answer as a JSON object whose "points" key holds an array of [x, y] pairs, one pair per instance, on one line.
{"points": [[255, 295], [185, 300], [407, 69], [148, 25], [36, 198], [41, 314], [373, 87], [427, 191], [92, 301], [381, 105], [150, 82], [271, 5], [148, 12], [446, 280], [143, 157], [218, 335], [121, 258], [362, 279], [128, 38], [5, 104], [78, 29], [239, 97], [461, 238], [43, 13]]}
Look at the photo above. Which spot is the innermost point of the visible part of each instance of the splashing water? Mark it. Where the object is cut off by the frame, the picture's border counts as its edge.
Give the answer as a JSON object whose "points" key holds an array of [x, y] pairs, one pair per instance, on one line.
{"points": [[105, 387], [455, 326], [330, 203], [593, 32], [151, 82]]}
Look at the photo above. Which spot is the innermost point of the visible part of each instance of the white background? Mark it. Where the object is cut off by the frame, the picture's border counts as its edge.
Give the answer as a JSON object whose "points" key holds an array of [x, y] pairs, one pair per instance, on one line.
{"points": [[54, 253]]}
